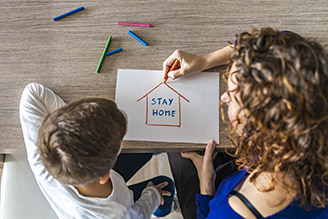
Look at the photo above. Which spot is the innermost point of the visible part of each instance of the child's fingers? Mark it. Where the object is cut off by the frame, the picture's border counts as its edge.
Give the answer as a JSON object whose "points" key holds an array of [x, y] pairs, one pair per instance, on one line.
{"points": [[150, 183], [162, 185], [165, 193]]}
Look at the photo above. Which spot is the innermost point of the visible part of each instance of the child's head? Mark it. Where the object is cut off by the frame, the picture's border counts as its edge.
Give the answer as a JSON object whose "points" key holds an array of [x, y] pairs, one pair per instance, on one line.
{"points": [[280, 82], [79, 143]]}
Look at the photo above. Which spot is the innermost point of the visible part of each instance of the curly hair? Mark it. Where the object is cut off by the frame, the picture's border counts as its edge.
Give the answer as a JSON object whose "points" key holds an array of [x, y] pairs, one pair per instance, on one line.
{"points": [[79, 142], [282, 89]]}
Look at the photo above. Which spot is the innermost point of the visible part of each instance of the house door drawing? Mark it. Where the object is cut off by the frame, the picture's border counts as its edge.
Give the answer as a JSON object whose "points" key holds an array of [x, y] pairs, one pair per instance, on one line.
{"points": [[163, 108]]}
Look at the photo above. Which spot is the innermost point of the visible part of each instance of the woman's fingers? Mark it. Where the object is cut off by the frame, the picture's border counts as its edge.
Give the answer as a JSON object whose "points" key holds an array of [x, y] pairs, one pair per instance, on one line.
{"points": [[176, 73], [189, 155], [209, 152], [169, 62]]}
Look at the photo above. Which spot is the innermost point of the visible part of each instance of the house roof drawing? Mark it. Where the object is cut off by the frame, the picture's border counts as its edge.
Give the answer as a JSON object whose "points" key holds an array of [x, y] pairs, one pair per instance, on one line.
{"points": [[163, 123], [160, 85]]}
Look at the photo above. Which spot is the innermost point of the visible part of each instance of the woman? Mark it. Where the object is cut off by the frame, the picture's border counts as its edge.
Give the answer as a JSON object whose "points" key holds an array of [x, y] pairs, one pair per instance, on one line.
{"points": [[277, 101]]}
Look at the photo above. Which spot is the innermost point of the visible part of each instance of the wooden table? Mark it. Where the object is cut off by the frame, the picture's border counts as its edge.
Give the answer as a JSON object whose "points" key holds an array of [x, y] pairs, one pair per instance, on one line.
{"points": [[63, 55]]}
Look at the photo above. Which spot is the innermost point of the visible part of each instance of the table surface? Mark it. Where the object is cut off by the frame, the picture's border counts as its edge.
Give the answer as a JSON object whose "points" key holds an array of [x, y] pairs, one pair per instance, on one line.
{"points": [[64, 55]]}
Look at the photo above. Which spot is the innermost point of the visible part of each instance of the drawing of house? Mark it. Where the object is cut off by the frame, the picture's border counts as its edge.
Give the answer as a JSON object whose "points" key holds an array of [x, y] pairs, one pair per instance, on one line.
{"points": [[163, 106]]}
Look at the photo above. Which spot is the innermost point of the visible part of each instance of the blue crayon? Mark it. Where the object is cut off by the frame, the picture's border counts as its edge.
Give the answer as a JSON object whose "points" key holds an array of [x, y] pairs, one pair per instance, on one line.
{"points": [[68, 13], [114, 51], [137, 38]]}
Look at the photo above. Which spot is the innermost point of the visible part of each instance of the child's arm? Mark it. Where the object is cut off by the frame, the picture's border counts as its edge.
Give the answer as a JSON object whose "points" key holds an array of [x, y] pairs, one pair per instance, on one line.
{"points": [[36, 102], [190, 63], [148, 202]]}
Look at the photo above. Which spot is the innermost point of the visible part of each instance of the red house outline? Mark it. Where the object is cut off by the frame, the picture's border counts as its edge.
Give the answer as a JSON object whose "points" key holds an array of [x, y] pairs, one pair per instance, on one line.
{"points": [[146, 95]]}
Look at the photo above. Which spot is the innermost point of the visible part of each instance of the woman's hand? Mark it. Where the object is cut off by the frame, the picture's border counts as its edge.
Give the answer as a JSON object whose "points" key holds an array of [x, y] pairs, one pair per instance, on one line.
{"points": [[188, 63], [205, 168], [160, 187]]}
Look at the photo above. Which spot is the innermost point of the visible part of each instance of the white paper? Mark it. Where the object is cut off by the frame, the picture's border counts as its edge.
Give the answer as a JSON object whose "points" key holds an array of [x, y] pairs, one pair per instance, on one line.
{"points": [[182, 110]]}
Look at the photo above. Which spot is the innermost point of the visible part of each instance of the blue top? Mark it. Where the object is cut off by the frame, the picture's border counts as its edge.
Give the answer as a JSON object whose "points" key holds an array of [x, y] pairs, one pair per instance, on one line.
{"points": [[218, 206]]}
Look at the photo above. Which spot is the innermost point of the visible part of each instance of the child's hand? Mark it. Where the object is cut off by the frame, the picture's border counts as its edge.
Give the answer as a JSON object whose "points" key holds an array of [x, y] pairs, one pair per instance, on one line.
{"points": [[188, 63], [205, 168], [159, 187]]}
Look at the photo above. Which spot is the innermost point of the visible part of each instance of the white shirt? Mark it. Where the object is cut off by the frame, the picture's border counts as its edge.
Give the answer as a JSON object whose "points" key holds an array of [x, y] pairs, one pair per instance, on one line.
{"points": [[36, 102]]}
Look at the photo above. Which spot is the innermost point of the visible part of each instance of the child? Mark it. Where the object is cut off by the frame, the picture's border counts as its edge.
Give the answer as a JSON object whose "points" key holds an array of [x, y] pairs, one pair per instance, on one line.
{"points": [[72, 150], [277, 101]]}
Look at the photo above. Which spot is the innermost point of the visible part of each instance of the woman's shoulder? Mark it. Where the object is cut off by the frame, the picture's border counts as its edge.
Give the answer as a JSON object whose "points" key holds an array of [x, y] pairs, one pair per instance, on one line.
{"points": [[279, 202], [230, 182], [295, 210], [219, 204]]}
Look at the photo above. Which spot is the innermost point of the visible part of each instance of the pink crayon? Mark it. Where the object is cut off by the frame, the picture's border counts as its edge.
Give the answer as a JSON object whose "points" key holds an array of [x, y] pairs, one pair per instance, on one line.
{"points": [[134, 24]]}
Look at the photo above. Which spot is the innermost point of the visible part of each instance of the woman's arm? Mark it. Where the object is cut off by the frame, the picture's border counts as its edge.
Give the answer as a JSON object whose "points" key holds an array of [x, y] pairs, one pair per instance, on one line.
{"points": [[218, 58], [205, 168], [206, 175], [189, 63]]}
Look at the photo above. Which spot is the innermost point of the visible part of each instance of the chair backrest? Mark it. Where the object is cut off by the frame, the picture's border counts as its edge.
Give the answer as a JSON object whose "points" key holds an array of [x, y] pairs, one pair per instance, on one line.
{"points": [[20, 194]]}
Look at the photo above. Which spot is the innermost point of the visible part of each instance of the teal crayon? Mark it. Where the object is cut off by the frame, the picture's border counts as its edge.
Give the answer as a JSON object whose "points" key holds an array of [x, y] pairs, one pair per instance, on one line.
{"points": [[137, 38]]}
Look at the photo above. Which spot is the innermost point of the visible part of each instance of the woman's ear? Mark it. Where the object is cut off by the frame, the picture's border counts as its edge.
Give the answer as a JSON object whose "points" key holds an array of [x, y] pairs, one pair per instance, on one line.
{"points": [[104, 179]]}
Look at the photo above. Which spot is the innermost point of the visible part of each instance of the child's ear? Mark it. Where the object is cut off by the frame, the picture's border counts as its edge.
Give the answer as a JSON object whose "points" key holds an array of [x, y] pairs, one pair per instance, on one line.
{"points": [[104, 179], [120, 149]]}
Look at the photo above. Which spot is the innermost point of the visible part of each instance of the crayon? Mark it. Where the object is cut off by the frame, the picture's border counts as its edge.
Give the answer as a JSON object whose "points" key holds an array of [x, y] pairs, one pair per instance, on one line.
{"points": [[137, 38], [114, 51], [103, 55], [68, 13], [134, 24]]}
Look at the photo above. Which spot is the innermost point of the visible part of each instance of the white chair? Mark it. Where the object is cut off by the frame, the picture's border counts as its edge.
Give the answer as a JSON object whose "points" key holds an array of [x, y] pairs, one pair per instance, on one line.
{"points": [[20, 194]]}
